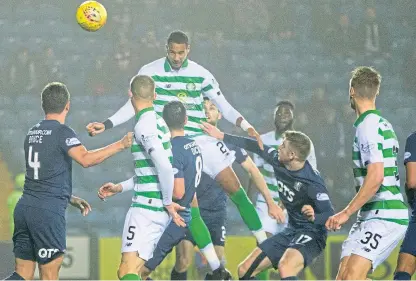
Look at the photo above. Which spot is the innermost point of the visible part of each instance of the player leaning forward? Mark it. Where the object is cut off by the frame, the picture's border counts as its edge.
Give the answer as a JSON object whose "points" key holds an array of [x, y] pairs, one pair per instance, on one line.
{"points": [[153, 183], [305, 197], [383, 217], [178, 78]]}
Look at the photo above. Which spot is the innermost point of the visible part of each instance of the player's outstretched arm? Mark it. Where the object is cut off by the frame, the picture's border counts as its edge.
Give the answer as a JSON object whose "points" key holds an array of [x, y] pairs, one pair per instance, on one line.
{"points": [[125, 113], [110, 189], [274, 210], [81, 204], [87, 158], [268, 153]]}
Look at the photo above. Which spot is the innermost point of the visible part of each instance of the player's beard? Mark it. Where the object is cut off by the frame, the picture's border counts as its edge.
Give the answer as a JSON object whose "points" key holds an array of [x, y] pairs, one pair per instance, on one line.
{"points": [[352, 103]]}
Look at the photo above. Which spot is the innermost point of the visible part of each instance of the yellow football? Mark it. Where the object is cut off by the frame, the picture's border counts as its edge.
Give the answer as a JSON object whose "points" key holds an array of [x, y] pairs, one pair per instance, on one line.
{"points": [[91, 15]]}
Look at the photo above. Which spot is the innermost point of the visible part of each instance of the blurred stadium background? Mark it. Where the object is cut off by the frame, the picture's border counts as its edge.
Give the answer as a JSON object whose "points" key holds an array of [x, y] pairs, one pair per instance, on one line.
{"points": [[260, 51]]}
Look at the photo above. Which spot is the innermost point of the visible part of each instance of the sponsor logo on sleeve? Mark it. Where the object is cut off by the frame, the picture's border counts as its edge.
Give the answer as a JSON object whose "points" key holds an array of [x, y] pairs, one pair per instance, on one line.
{"points": [[322, 197], [72, 141], [367, 147], [407, 155], [175, 171]]}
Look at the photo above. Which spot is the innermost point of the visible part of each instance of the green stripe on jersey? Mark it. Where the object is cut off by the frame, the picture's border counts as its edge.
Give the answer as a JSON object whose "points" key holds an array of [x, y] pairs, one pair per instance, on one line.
{"points": [[149, 194], [272, 187], [178, 79], [196, 119], [164, 130], [362, 172], [387, 153], [175, 93], [140, 148], [144, 163], [192, 129], [207, 88], [138, 205], [384, 205], [147, 179], [388, 134]]}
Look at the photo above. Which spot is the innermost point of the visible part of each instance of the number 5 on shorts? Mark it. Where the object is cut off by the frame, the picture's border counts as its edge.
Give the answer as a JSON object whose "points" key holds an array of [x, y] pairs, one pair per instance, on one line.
{"points": [[131, 232]]}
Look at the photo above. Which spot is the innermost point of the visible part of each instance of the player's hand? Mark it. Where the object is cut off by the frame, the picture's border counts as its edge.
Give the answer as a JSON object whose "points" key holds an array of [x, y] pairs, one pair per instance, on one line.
{"points": [[127, 140], [336, 221], [277, 213], [173, 212], [81, 204], [109, 189], [253, 133], [212, 131], [309, 212], [95, 128]]}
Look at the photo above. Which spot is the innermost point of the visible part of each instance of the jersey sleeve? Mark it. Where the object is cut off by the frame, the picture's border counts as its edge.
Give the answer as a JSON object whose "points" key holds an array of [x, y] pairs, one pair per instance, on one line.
{"points": [[370, 143], [68, 139], [410, 149], [258, 161], [321, 203], [269, 154], [145, 132], [240, 153], [178, 165]]}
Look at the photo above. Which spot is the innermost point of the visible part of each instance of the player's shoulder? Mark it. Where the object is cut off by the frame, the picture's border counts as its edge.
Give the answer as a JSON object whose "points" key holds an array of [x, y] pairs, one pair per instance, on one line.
{"points": [[146, 121], [411, 138], [152, 66], [184, 145]]}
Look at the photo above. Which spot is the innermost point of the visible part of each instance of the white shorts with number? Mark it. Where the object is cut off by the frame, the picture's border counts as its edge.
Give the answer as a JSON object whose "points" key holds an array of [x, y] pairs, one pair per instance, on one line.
{"points": [[373, 239], [270, 225], [142, 230], [215, 155]]}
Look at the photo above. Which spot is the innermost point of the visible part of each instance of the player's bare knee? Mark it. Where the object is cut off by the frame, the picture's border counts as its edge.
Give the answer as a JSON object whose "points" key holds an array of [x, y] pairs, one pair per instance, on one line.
{"points": [[284, 267], [129, 264], [183, 263]]}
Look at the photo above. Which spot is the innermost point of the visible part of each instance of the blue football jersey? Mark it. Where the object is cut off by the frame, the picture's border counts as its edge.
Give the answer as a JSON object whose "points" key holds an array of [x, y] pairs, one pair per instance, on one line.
{"points": [[48, 180], [211, 196], [187, 164], [296, 188]]}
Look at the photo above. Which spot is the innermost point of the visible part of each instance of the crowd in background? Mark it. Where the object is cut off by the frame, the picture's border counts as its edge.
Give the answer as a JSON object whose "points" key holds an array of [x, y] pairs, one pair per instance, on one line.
{"points": [[259, 51]]}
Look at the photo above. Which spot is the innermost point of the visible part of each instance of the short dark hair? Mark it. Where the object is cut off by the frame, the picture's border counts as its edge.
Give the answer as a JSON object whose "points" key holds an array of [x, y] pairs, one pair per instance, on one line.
{"points": [[54, 97], [285, 103], [174, 114], [178, 37], [143, 87], [365, 81], [299, 142]]}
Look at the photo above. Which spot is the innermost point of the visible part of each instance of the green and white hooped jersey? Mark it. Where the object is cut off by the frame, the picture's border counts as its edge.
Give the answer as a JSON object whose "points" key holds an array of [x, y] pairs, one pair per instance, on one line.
{"points": [[189, 85], [375, 142], [149, 131], [271, 139]]}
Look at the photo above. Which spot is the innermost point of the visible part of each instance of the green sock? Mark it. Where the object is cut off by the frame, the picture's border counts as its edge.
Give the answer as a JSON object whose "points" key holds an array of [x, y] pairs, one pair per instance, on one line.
{"points": [[202, 238], [264, 275], [199, 230], [246, 209], [131, 276]]}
